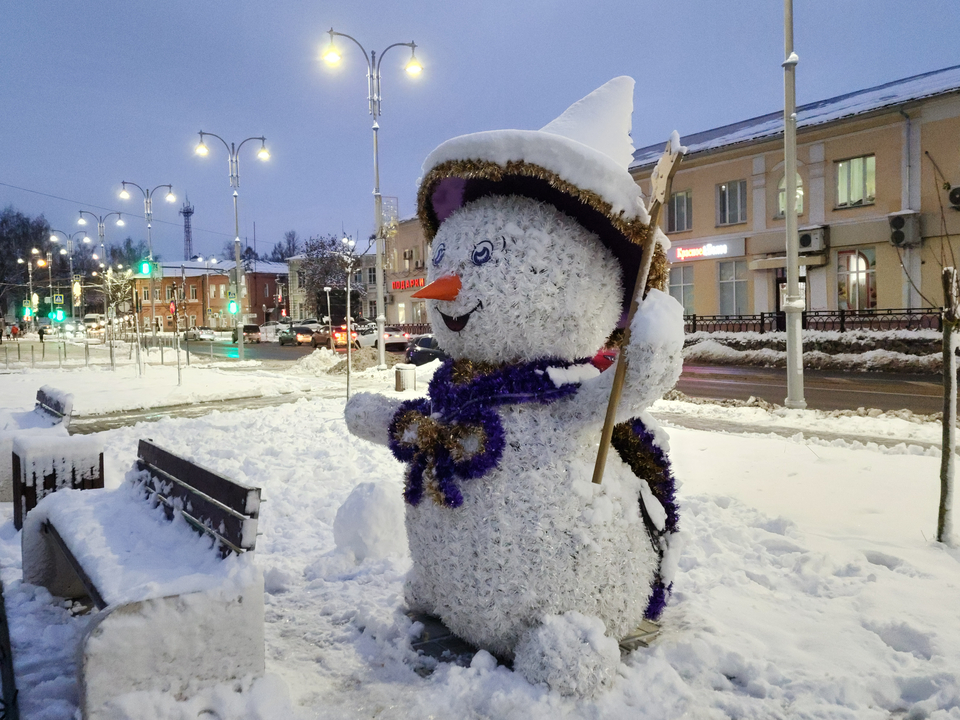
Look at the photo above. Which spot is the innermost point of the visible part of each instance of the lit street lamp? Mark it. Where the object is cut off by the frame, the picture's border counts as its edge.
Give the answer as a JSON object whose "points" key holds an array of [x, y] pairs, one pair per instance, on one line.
{"points": [[148, 215], [29, 264], [101, 221], [413, 67], [68, 251], [348, 261], [233, 156]]}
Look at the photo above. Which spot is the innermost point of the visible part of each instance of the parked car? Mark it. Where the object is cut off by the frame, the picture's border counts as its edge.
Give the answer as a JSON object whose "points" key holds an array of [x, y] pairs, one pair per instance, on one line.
{"points": [[199, 333], [296, 335], [423, 349], [94, 321], [393, 337], [271, 329], [251, 334]]}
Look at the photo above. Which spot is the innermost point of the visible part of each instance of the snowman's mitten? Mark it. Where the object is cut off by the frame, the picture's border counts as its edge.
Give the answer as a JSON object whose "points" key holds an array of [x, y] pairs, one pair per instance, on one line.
{"points": [[654, 352], [570, 653], [368, 416]]}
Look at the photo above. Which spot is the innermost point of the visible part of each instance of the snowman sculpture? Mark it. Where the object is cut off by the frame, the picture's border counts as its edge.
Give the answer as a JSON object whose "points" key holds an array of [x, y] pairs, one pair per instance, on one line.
{"points": [[536, 238]]}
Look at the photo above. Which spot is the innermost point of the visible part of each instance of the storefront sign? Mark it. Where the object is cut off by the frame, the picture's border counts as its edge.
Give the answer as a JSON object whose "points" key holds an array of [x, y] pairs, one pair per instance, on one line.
{"points": [[406, 284], [704, 250]]}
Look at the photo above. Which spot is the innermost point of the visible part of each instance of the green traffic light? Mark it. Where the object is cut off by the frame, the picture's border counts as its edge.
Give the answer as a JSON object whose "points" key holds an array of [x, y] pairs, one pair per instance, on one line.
{"points": [[145, 267], [232, 307], [59, 315]]}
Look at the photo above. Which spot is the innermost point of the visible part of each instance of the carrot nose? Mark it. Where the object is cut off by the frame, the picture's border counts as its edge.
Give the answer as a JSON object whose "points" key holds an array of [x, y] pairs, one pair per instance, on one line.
{"points": [[444, 288]]}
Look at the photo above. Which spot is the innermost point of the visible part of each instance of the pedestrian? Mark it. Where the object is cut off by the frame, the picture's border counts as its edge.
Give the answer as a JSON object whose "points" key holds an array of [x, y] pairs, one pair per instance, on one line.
{"points": [[15, 331], [41, 333]]}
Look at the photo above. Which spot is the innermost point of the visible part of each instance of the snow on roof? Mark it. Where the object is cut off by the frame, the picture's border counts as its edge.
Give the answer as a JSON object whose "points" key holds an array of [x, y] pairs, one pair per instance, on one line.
{"points": [[196, 268], [898, 92]]}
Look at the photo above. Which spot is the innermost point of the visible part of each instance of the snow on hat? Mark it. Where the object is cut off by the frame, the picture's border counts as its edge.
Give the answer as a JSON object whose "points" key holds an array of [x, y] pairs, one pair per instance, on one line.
{"points": [[577, 163]]}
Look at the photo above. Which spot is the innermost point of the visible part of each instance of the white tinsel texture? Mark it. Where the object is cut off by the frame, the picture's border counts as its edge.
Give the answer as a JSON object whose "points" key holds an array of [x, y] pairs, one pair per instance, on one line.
{"points": [[570, 653]]}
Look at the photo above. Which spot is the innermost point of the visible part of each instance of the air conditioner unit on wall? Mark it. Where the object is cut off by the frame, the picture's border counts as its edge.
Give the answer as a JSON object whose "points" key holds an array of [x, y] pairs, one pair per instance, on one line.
{"points": [[812, 239], [417, 264], [390, 299], [954, 198], [904, 228]]}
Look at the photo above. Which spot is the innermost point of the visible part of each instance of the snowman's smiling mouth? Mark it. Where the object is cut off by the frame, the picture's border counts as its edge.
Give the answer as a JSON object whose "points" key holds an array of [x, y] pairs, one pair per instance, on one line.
{"points": [[458, 323]]}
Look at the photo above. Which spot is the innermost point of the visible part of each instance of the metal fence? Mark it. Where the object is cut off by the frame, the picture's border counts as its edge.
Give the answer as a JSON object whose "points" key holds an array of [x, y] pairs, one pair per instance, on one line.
{"points": [[836, 320]]}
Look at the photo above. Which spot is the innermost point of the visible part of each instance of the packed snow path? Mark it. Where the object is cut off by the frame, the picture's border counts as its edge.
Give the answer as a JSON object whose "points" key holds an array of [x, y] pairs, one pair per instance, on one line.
{"points": [[809, 588]]}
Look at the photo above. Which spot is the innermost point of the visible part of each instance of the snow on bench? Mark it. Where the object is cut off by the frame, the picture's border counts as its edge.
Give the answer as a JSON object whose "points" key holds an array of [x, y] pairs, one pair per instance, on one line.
{"points": [[49, 417], [178, 600]]}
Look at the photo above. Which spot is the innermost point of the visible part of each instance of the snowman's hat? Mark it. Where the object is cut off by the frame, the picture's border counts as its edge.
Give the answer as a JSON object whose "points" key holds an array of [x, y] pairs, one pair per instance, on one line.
{"points": [[578, 163]]}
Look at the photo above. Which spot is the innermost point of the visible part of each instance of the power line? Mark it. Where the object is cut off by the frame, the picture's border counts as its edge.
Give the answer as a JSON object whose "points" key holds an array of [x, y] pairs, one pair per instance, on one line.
{"points": [[100, 207]]}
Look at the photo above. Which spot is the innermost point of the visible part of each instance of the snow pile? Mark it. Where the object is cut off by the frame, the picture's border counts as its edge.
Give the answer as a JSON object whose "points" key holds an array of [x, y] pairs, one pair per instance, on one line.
{"points": [[809, 587], [320, 361], [369, 524]]}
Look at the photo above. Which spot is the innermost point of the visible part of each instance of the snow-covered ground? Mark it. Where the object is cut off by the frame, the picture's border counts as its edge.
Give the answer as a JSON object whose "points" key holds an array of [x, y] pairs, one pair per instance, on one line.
{"points": [[809, 585]]}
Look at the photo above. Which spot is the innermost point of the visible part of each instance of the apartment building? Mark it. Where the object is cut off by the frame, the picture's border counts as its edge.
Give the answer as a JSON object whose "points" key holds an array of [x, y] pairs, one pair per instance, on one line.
{"points": [[875, 167]]}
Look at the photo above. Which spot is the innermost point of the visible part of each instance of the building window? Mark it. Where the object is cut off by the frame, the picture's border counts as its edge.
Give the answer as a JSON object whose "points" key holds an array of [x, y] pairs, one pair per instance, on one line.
{"points": [[782, 196], [193, 292], [213, 291], [856, 279], [223, 291], [733, 287], [401, 313], [146, 293], [372, 309], [419, 312], [371, 276], [732, 202], [680, 212], [857, 181], [358, 278], [681, 286], [301, 279], [169, 289], [156, 293]]}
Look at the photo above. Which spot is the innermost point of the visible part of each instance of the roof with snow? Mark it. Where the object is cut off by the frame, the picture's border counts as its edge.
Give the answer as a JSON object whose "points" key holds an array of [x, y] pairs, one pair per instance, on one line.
{"points": [[861, 102], [196, 268]]}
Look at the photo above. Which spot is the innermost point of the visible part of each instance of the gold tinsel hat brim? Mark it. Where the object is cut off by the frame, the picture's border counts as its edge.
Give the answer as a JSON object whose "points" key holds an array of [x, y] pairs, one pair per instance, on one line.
{"points": [[620, 222]]}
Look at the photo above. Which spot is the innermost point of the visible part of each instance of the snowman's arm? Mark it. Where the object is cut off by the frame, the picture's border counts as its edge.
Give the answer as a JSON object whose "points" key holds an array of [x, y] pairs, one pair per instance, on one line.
{"points": [[368, 416], [655, 360]]}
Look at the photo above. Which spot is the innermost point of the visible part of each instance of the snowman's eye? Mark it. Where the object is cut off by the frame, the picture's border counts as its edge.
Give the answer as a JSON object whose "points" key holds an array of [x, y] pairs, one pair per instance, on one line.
{"points": [[438, 254], [482, 252]]}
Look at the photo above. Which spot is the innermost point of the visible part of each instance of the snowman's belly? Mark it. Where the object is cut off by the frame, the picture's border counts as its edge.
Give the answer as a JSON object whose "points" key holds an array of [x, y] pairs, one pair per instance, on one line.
{"points": [[534, 537]]}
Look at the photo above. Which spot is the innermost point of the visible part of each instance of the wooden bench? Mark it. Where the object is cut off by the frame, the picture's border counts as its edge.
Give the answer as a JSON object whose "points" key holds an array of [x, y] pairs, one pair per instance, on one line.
{"points": [[50, 416], [164, 564]]}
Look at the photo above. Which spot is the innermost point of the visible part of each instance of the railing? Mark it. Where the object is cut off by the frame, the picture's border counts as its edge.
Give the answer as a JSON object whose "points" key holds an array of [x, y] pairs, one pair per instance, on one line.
{"points": [[413, 328], [836, 320]]}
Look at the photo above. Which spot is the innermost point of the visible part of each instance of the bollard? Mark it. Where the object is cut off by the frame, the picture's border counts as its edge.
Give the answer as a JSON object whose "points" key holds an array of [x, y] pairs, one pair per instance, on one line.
{"points": [[33, 358], [86, 353], [406, 376], [43, 352], [18, 353], [59, 360], [113, 361], [6, 353], [161, 349]]}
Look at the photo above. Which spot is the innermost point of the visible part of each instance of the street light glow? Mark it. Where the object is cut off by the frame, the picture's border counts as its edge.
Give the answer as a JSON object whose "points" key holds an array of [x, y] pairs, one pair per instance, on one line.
{"points": [[53, 238], [331, 54], [413, 66], [201, 149], [124, 195], [263, 153], [170, 196], [81, 221], [120, 222]]}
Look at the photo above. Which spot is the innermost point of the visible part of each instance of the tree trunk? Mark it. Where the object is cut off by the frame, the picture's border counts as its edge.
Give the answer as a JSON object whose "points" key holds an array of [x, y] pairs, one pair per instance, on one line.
{"points": [[948, 445]]}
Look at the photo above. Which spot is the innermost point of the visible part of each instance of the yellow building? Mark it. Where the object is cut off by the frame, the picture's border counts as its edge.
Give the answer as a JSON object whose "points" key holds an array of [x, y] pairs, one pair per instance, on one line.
{"points": [[405, 272], [874, 168]]}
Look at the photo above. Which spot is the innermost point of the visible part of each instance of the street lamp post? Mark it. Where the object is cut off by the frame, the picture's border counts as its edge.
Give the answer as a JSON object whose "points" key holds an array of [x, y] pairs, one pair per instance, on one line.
{"points": [[206, 282], [148, 215], [233, 157], [348, 260], [329, 318], [413, 67], [29, 264], [101, 222], [68, 251]]}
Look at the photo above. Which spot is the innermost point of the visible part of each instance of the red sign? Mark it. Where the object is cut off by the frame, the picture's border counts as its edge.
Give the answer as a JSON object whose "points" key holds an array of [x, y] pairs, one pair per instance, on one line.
{"points": [[173, 307], [406, 284]]}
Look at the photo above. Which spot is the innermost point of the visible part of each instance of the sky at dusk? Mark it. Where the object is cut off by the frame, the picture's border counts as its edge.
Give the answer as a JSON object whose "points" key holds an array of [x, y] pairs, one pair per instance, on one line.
{"points": [[92, 94]]}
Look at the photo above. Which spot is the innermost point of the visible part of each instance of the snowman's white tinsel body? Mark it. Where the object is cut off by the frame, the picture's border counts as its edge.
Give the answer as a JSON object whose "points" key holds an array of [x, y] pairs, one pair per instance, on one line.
{"points": [[534, 537]]}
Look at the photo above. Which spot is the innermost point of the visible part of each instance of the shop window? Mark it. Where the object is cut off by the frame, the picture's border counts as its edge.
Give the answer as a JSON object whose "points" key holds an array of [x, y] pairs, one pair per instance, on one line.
{"points": [[856, 181], [732, 202], [680, 212], [419, 312], [856, 279], [681, 286], [782, 196], [733, 287], [401, 313]]}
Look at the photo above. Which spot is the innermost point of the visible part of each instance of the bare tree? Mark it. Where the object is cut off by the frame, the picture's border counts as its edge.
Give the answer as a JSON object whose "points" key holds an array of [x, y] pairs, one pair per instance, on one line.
{"points": [[323, 266]]}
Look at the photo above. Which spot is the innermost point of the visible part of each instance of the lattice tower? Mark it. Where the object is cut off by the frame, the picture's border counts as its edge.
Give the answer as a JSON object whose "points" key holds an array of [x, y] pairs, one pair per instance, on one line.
{"points": [[187, 211]]}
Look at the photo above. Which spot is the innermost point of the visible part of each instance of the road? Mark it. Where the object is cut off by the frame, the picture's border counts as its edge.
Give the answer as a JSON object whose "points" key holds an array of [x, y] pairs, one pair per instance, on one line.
{"points": [[251, 351], [822, 390]]}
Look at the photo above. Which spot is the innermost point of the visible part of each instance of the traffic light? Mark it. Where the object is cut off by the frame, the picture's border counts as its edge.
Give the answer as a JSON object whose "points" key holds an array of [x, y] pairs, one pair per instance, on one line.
{"points": [[51, 314], [59, 315], [232, 307], [146, 267], [27, 313]]}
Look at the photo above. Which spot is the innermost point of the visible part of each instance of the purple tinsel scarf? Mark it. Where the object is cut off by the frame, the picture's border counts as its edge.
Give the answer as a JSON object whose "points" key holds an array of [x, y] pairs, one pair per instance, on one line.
{"points": [[456, 433]]}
